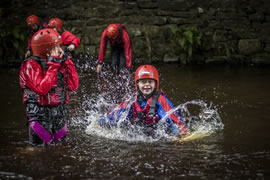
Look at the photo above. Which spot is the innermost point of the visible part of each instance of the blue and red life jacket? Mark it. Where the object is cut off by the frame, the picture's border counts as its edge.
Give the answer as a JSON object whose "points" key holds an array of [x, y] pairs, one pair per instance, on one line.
{"points": [[148, 115]]}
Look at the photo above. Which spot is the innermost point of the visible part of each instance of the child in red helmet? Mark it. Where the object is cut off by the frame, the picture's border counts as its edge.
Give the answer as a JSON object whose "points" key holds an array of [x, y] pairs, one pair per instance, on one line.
{"points": [[148, 105], [46, 78], [69, 40], [33, 23], [121, 51]]}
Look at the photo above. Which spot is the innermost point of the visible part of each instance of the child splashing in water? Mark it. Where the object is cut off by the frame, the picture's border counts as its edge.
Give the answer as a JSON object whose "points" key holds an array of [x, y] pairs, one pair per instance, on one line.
{"points": [[147, 106]]}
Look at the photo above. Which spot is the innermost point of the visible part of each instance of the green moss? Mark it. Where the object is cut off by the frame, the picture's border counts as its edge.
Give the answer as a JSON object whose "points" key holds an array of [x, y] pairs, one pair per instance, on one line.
{"points": [[188, 38], [148, 31]]}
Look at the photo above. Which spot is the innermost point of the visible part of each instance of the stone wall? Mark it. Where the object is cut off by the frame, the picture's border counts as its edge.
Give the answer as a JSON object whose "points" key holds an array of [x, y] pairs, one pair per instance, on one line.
{"points": [[234, 31]]}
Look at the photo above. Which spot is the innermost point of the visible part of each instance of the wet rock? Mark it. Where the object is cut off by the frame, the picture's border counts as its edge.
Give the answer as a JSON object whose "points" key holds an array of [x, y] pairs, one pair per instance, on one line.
{"points": [[172, 6], [197, 59], [249, 46], [236, 59], [260, 61], [170, 58], [256, 17], [217, 60], [147, 5]]}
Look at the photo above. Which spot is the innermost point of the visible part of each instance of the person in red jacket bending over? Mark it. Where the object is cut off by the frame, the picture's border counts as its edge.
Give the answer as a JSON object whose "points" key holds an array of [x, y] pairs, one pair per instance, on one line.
{"points": [[70, 41], [121, 51], [46, 78]]}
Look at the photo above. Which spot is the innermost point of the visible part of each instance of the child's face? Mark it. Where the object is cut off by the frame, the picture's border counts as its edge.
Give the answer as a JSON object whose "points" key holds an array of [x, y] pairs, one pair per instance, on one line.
{"points": [[146, 86], [56, 51]]}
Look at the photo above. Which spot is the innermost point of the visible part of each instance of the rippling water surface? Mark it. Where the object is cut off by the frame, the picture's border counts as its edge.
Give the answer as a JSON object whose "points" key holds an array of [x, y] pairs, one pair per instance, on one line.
{"points": [[232, 141]]}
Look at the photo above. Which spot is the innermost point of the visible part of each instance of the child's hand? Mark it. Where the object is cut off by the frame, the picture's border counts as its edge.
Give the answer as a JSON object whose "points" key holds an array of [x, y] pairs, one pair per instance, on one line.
{"points": [[71, 47], [174, 130], [99, 68], [56, 55], [27, 53], [185, 133], [56, 51]]}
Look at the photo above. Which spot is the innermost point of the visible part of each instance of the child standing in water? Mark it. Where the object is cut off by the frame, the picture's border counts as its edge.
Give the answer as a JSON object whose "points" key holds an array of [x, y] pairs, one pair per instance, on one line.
{"points": [[149, 105], [46, 78], [34, 25]]}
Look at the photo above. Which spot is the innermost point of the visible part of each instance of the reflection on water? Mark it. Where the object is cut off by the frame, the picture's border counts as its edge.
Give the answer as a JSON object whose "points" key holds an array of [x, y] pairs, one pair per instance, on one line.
{"points": [[236, 98]]}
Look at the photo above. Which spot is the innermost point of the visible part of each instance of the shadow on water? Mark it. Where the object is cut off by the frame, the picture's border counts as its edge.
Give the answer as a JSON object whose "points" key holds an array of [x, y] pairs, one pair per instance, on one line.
{"points": [[237, 150]]}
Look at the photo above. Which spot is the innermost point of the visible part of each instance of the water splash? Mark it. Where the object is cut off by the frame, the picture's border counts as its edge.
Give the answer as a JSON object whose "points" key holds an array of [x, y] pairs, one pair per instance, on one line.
{"points": [[201, 118], [109, 89], [201, 124]]}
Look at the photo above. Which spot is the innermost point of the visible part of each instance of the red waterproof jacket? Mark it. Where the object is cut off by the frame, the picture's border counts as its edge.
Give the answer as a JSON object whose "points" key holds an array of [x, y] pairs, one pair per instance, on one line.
{"points": [[69, 38], [122, 40], [44, 81]]}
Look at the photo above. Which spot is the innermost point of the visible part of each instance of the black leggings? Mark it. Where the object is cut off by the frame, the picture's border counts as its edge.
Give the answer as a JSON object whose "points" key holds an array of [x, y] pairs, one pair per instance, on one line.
{"points": [[118, 58]]}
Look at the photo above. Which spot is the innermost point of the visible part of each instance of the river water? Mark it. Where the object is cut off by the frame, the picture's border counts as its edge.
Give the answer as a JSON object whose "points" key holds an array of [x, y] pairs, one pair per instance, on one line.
{"points": [[237, 148]]}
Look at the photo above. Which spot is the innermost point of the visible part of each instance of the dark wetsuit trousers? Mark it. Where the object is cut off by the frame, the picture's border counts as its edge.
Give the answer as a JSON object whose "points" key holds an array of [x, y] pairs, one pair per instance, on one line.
{"points": [[50, 120], [118, 58]]}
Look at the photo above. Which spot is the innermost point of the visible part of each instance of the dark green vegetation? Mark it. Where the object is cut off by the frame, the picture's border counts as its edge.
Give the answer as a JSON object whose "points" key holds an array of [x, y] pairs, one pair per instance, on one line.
{"points": [[13, 41], [188, 38]]}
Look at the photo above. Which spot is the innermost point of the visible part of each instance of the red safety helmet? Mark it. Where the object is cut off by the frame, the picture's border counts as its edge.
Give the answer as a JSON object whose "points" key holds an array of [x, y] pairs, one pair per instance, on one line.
{"points": [[112, 31], [146, 72], [55, 23], [43, 41], [32, 20]]}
